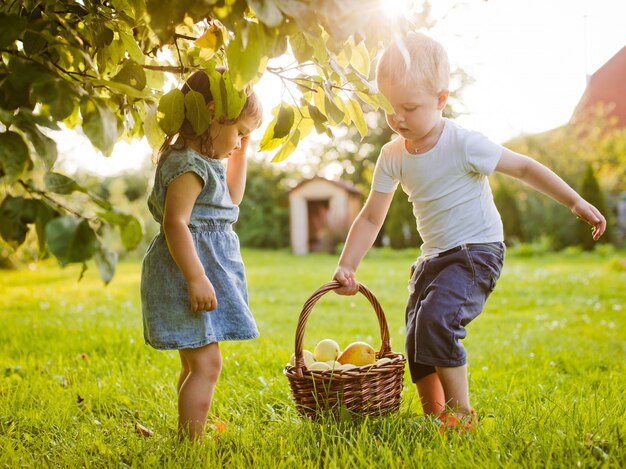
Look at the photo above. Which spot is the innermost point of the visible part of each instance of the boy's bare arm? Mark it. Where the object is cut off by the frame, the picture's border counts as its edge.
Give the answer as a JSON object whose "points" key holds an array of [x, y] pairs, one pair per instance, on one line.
{"points": [[544, 180], [362, 235]]}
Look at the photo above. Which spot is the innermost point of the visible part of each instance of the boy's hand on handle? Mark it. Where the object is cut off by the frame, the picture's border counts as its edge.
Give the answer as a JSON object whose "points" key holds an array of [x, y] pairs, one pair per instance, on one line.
{"points": [[588, 213], [348, 280], [201, 294]]}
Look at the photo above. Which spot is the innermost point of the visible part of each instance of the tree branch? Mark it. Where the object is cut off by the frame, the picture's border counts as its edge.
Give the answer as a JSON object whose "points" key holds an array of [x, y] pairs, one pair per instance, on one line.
{"points": [[32, 190], [168, 68]]}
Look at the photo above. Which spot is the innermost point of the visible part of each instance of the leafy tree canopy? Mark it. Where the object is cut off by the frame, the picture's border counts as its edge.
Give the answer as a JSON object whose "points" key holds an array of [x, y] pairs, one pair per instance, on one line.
{"points": [[103, 65]]}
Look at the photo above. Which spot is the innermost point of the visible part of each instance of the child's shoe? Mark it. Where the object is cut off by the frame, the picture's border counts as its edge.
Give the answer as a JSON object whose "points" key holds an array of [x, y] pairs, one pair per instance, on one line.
{"points": [[450, 421], [218, 425]]}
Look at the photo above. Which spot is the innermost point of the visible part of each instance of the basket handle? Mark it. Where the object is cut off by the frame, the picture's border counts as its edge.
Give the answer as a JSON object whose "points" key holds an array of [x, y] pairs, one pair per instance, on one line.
{"points": [[308, 307]]}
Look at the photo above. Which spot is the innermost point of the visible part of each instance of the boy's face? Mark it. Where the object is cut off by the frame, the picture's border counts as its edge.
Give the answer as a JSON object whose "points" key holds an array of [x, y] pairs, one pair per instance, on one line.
{"points": [[416, 112]]}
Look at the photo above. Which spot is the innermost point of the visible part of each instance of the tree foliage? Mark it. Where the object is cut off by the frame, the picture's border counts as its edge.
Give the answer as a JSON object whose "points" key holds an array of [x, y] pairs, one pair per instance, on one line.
{"points": [[590, 190], [264, 212], [579, 153], [104, 66], [508, 207]]}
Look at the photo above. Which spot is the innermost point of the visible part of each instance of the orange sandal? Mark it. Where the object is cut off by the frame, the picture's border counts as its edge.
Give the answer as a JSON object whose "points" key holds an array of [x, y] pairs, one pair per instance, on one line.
{"points": [[450, 421]]}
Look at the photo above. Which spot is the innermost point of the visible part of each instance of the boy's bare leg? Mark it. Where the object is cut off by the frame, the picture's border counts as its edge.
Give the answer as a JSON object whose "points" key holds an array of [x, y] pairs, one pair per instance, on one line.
{"points": [[454, 382], [431, 394]]}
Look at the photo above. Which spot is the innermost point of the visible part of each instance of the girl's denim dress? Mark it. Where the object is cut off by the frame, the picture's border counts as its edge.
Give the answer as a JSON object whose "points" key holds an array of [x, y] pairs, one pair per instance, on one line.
{"points": [[169, 322]]}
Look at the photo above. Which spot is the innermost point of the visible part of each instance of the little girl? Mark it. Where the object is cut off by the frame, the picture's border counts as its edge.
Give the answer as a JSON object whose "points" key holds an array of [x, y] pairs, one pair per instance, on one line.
{"points": [[193, 284]]}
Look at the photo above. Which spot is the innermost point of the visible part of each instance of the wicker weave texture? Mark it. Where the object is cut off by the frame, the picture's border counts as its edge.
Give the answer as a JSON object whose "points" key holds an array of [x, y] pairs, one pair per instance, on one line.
{"points": [[366, 390]]}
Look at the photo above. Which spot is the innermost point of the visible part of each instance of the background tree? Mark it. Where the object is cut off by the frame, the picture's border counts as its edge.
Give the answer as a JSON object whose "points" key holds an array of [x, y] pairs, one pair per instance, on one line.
{"points": [[590, 191], [264, 212], [104, 65], [506, 202], [568, 150]]}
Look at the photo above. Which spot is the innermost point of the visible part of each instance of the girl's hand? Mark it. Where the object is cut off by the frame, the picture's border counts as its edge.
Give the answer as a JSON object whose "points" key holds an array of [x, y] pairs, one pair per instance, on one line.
{"points": [[241, 151], [348, 280], [587, 212], [201, 294]]}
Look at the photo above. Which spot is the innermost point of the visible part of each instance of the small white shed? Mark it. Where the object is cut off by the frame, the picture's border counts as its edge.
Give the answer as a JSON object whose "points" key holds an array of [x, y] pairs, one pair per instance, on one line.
{"points": [[321, 212]]}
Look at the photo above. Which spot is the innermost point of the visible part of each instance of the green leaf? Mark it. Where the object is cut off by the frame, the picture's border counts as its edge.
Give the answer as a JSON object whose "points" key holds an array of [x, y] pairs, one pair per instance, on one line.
{"points": [[14, 156], [58, 95], [130, 227], [268, 142], [171, 111], [163, 16], [26, 115], [367, 98], [267, 11], [288, 148], [131, 74], [71, 239], [228, 100], [360, 59], [301, 49], [151, 128], [11, 26], [356, 115], [319, 119], [334, 114], [319, 99], [197, 112], [113, 217], [284, 121], [106, 262], [212, 39], [44, 214], [130, 45], [124, 89], [33, 42], [99, 124], [101, 35], [61, 184], [16, 213], [243, 63], [383, 103], [109, 57], [234, 98], [320, 52], [45, 147], [132, 233]]}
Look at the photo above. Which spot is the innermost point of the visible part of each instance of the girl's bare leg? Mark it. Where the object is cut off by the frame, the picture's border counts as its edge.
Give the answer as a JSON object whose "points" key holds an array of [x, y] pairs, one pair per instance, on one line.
{"points": [[196, 391], [184, 371], [431, 394]]}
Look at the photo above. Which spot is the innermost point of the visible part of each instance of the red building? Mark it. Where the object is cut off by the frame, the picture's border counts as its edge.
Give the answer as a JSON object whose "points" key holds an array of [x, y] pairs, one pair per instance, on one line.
{"points": [[606, 90]]}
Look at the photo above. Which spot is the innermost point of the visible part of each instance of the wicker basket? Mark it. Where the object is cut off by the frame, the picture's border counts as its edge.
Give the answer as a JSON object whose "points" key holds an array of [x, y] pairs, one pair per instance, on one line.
{"points": [[365, 390]]}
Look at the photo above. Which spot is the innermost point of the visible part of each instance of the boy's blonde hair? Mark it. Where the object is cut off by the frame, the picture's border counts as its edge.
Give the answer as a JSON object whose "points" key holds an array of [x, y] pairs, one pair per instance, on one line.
{"points": [[415, 60]]}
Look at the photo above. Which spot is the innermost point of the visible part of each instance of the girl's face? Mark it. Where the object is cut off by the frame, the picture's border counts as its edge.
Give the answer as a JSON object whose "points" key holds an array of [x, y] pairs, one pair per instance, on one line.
{"points": [[416, 112], [226, 138]]}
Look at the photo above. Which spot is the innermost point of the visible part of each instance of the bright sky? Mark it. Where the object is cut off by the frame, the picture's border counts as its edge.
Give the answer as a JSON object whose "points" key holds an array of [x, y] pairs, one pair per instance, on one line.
{"points": [[529, 60]]}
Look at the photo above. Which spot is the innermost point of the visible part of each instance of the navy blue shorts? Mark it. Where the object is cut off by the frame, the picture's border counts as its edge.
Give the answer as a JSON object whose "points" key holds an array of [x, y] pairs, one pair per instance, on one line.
{"points": [[447, 292]]}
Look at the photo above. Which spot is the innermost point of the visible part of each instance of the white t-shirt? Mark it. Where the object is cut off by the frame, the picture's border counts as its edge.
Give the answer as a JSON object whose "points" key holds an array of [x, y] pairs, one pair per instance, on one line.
{"points": [[448, 187]]}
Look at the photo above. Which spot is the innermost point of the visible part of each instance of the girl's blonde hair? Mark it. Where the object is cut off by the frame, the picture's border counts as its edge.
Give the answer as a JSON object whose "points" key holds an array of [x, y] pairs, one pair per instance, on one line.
{"points": [[415, 60], [199, 81]]}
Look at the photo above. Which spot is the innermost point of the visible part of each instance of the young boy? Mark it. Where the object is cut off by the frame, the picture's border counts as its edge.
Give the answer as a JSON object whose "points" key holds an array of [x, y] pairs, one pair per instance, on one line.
{"points": [[443, 168]]}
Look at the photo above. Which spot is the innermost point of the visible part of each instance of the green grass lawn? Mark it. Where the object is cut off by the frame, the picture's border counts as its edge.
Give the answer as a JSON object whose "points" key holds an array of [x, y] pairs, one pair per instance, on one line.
{"points": [[547, 371]]}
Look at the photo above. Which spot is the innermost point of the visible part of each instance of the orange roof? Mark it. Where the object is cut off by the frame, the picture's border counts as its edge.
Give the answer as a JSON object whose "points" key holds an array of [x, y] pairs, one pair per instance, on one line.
{"points": [[606, 87]]}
